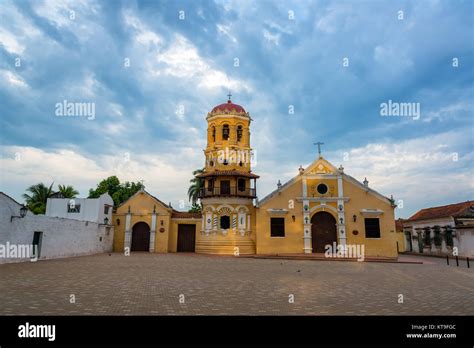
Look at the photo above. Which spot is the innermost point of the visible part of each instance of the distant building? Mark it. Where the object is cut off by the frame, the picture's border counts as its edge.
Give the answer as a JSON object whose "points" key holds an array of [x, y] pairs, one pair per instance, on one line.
{"points": [[24, 236], [438, 230], [84, 209]]}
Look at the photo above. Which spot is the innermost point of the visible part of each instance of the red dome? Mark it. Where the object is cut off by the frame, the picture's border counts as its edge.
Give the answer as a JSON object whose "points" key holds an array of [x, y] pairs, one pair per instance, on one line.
{"points": [[229, 106]]}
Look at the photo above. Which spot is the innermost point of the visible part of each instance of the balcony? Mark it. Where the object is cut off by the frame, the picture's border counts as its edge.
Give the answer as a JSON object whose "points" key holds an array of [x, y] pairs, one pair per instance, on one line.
{"points": [[228, 191]]}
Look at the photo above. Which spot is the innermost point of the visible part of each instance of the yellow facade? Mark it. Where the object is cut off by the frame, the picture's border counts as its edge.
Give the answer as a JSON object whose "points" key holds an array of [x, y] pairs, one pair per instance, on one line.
{"points": [[162, 221], [320, 207], [345, 199]]}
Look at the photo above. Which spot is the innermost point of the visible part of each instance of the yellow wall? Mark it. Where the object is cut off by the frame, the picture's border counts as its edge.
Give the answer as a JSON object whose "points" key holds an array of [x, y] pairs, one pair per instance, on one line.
{"points": [[141, 207], [293, 240], [359, 199]]}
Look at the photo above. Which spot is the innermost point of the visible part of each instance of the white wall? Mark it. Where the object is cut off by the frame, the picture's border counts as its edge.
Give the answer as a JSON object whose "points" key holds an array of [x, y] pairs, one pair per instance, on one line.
{"points": [[92, 209], [463, 238], [61, 237]]}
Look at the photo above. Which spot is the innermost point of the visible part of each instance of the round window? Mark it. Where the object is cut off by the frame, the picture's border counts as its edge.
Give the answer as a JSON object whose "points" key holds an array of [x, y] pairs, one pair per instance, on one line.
{"points": [[322, 189]]}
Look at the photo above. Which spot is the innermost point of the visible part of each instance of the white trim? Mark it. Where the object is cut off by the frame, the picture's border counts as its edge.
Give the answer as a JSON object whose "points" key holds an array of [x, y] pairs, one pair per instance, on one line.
{"points": [[354, 181], [273, 211], [371, 212], [322, 199], [322, 207], [321, 176]]}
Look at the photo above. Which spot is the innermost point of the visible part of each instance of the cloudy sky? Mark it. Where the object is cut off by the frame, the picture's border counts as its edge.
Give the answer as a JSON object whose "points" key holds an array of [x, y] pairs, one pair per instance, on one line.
{"points": [[153, 69]]}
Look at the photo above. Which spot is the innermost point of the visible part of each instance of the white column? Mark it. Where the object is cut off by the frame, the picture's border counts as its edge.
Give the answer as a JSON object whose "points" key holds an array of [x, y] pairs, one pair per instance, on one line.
{"points": [[153, 233], [248, 224], [307, 247], [128, 233], [341, 226]]}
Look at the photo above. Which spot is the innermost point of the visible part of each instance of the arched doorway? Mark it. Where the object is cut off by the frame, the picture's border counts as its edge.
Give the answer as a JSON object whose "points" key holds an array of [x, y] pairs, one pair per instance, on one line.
{"points": [[141, 237], [323, 231]]}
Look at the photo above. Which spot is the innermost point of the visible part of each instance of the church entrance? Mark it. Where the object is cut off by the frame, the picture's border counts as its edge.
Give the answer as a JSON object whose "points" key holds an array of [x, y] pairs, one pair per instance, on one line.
{"points": [[186, 237], [323, 231], [141, 237]]}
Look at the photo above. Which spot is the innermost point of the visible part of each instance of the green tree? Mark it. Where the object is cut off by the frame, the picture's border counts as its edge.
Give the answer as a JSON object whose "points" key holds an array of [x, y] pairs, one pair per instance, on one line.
{"points": [[67, 191], [36, 200], [196, 185], [196, 208], [119, 192]]}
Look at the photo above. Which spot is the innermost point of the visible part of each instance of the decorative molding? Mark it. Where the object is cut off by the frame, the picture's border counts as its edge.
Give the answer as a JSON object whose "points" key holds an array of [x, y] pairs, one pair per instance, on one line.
{"points": [[371, 212], [273, 211], [322, 199], [323, 207]]}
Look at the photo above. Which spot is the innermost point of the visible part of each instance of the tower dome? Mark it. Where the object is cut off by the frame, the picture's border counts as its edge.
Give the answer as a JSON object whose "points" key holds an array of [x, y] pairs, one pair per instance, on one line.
{"points": [[228, 107]]}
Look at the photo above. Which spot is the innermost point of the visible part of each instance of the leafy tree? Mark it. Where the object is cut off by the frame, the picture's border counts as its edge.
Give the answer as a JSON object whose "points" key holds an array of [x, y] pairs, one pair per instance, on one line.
{"points": [[67, 191], [119, 192], [36, 200], [196, 185], [196, 208]]}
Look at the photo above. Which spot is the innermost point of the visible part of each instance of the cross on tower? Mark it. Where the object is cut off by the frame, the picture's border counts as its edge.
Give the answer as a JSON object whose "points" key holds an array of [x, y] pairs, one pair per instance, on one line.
{"points": [[319, 147], [229, 95]]}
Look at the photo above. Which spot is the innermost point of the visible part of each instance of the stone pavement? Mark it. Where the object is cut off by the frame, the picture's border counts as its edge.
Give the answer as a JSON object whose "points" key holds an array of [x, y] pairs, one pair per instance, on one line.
{"points": [[154, 284]]}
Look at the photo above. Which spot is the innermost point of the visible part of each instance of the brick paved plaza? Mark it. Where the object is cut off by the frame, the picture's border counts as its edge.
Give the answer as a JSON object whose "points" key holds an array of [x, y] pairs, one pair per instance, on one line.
{"points": [[150, 284]]}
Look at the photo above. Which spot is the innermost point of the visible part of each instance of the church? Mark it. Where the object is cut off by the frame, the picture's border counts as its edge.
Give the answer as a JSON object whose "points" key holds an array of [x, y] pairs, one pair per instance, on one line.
{"points": [[320, 206]]}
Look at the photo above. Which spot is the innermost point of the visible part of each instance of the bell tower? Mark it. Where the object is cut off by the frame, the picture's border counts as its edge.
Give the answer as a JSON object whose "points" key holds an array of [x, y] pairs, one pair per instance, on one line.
{"points": [[229, 186]]}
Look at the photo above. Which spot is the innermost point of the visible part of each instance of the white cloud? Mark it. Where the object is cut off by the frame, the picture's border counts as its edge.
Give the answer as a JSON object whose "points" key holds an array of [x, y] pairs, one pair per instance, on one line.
{"points": [[12, 79], [164, 175], [449, 112], [182, 60], [273, 38], [420, 171], [9, 41], [225, 30]]}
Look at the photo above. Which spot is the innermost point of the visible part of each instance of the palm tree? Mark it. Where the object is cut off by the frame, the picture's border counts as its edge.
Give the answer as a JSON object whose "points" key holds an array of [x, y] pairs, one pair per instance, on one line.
{"points": [[39, 194], [196, 185], [67, 191]]}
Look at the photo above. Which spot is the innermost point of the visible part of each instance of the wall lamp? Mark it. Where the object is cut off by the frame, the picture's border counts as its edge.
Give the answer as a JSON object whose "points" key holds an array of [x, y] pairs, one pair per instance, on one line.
{"points": [[23, 211]]}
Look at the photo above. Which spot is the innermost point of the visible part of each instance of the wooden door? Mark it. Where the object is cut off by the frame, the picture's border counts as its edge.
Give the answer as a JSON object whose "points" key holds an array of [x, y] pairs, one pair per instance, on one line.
{"points": [[323, 231], [141, 237], [186, 238]]}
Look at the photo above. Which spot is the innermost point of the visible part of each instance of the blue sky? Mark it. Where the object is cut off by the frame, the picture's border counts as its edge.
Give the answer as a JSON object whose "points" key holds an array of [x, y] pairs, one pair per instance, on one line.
{"points": [[52, 51]]}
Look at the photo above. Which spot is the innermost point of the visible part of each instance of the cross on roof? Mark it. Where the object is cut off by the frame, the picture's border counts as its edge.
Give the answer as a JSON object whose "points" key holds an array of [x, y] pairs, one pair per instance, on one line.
{"points": [[229, 95], [319, 147]]}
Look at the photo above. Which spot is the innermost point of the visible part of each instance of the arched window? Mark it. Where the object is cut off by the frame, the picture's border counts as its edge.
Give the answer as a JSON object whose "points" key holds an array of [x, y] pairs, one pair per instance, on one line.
{"points": [[239, 133], [213, 133], [225, 132]]}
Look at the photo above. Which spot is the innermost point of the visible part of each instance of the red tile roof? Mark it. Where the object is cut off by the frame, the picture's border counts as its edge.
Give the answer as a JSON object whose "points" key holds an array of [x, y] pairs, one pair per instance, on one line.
{"points": [[229, 107], [231, 172], [453, 210], [185, 215]]}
